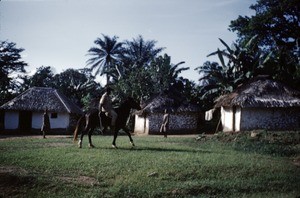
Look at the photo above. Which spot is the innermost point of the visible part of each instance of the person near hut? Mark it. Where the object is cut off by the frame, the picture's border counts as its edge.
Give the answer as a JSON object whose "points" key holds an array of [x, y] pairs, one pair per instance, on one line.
{"points": [[46, 123], [105, 105], [165, 123]]}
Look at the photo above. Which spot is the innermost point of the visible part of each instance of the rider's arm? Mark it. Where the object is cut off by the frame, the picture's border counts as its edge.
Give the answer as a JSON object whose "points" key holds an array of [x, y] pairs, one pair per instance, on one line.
{"points": [[100, 104]]}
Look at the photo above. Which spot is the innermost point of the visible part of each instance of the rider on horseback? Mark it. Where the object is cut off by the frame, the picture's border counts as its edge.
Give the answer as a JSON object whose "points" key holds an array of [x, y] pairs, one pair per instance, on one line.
{"points": [[105, 105]]}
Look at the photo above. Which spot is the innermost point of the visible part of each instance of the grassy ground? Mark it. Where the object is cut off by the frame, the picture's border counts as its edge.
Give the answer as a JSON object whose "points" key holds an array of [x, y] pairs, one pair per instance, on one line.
{"points": [[222, 165]]}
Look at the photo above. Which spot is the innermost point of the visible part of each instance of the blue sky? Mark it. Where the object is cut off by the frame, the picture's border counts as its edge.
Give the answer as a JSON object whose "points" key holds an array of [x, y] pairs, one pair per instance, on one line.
{"points": [[58, 33]]}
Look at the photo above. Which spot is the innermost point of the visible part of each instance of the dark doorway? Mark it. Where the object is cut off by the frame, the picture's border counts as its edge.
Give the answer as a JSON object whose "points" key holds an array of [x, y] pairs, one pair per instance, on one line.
{"points": [[25, 119], [1, 120]]}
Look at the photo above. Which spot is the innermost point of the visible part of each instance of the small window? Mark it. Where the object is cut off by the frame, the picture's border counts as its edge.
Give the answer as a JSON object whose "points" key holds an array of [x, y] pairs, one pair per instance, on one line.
{"points": [[53, 115]]}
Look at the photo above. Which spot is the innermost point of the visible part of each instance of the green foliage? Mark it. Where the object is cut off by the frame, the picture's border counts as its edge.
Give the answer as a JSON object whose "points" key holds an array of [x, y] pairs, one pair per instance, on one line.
{"points": [[276, 26], [164, 73], [279, 144], [157, 167], [42, 78], [114, 59], [239, 63], [105, 56], [77, 85], [268, 44], [144, 82], [139, 52], [10, 66]]}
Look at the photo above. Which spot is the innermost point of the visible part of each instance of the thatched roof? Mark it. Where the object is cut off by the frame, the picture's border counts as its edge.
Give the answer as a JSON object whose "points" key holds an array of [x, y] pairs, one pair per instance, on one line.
{"points": [[261, 92], [40, 98], [163, 101]]}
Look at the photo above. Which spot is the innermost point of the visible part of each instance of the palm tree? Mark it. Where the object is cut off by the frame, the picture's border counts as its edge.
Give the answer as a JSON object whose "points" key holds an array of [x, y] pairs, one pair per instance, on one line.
{"points": [[139, 53], [105, 56]]}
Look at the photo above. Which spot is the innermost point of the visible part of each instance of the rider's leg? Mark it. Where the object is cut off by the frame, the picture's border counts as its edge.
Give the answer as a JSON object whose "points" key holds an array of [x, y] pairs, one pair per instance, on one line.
{"points": [[114, 117], [100, 122]]}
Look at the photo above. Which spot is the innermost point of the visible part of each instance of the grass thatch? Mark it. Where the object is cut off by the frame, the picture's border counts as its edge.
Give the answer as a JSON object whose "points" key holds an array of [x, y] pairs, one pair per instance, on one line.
{"points": [[40, 98], [171, 102], [261, 92]]}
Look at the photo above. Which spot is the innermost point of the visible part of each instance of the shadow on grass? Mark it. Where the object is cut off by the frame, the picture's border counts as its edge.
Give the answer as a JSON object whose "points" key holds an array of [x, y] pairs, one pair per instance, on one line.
{"points": [[154, 149]]}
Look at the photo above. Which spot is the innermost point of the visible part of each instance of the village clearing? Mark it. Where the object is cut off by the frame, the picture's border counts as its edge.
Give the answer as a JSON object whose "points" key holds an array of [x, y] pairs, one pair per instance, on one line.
{"points": [[248, 164]]}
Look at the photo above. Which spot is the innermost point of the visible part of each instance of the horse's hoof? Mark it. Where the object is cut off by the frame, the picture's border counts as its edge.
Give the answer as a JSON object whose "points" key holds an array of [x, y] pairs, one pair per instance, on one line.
{"points": [[114, 146], [79, 144], [132, 144], [91, 146]]}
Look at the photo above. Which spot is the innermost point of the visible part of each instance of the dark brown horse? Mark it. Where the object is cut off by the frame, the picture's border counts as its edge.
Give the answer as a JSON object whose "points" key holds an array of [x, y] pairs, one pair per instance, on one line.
{"points": [[91, 121]]}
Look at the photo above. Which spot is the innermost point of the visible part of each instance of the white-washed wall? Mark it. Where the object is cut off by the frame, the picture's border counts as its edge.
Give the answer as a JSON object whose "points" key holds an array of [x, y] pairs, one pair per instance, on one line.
{"points": [[227, 118], [11, 120], [270, 118], [37, 120], [141, 125], [238, 114], [61, 122]]}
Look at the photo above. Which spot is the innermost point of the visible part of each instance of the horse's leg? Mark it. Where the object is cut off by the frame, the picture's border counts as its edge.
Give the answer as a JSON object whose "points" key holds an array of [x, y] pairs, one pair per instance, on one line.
{"points": [[81, 138], [104, 130], [86, 128], [90, 137], [115, 137], [129, 135]]}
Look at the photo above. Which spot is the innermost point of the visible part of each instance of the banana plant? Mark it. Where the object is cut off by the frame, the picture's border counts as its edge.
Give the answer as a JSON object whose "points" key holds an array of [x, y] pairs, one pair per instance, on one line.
{"points": [[238, 63]]}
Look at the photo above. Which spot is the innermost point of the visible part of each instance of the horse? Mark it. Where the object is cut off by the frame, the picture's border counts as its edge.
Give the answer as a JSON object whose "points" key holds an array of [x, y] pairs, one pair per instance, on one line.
{"points": [[91, 121]]}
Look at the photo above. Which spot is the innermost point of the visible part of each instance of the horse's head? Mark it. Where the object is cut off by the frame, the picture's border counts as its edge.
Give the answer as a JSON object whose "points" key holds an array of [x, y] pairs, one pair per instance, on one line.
{"points": [[132, 103]]}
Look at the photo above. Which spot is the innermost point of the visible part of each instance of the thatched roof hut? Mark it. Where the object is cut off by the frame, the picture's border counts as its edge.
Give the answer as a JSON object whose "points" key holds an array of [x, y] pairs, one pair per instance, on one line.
{"points": [[184, 116], [261, 92], [40, 98], [163, 101], [262, 103], [25, 111]]}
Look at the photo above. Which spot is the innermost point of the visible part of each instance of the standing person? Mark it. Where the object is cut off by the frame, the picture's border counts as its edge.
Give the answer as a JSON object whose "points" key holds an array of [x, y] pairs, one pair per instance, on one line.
{"points": [[46, 123], [165, 124], [105, 105]]}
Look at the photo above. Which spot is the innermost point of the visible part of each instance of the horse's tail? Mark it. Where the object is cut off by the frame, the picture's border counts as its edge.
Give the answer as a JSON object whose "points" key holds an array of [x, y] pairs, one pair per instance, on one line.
{"points": [[80, 122]]}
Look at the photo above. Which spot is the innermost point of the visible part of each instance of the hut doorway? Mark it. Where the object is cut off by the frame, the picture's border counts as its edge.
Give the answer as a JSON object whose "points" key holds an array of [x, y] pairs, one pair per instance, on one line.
{"points": [[25, 120], [1, 120]]}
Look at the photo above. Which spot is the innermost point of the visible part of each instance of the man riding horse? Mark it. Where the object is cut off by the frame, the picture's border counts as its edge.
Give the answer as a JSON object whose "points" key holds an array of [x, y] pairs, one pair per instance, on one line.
{"points": [[105, 105], [115, 118]]}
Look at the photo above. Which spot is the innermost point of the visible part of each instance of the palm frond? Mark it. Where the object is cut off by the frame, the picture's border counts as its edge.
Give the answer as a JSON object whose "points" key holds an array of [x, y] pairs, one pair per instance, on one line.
{"points": [[227, 47]]}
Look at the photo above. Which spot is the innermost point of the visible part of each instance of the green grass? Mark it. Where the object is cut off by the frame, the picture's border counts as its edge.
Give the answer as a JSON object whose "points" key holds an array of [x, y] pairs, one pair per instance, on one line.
{"points": [[219, 166]]}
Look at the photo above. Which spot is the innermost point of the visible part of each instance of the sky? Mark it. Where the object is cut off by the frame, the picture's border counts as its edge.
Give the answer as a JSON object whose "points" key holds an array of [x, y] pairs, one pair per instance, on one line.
{"points": [[58, 33]]}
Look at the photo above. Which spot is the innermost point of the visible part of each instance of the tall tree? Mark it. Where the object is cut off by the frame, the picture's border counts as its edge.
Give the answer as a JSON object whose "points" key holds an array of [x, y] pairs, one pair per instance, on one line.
{"points": [[276, 24], [10, 65], [140, 52], [142, 82], [105, 56], [164, 72], [78, 85], [42, 78], [215, 81]]}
